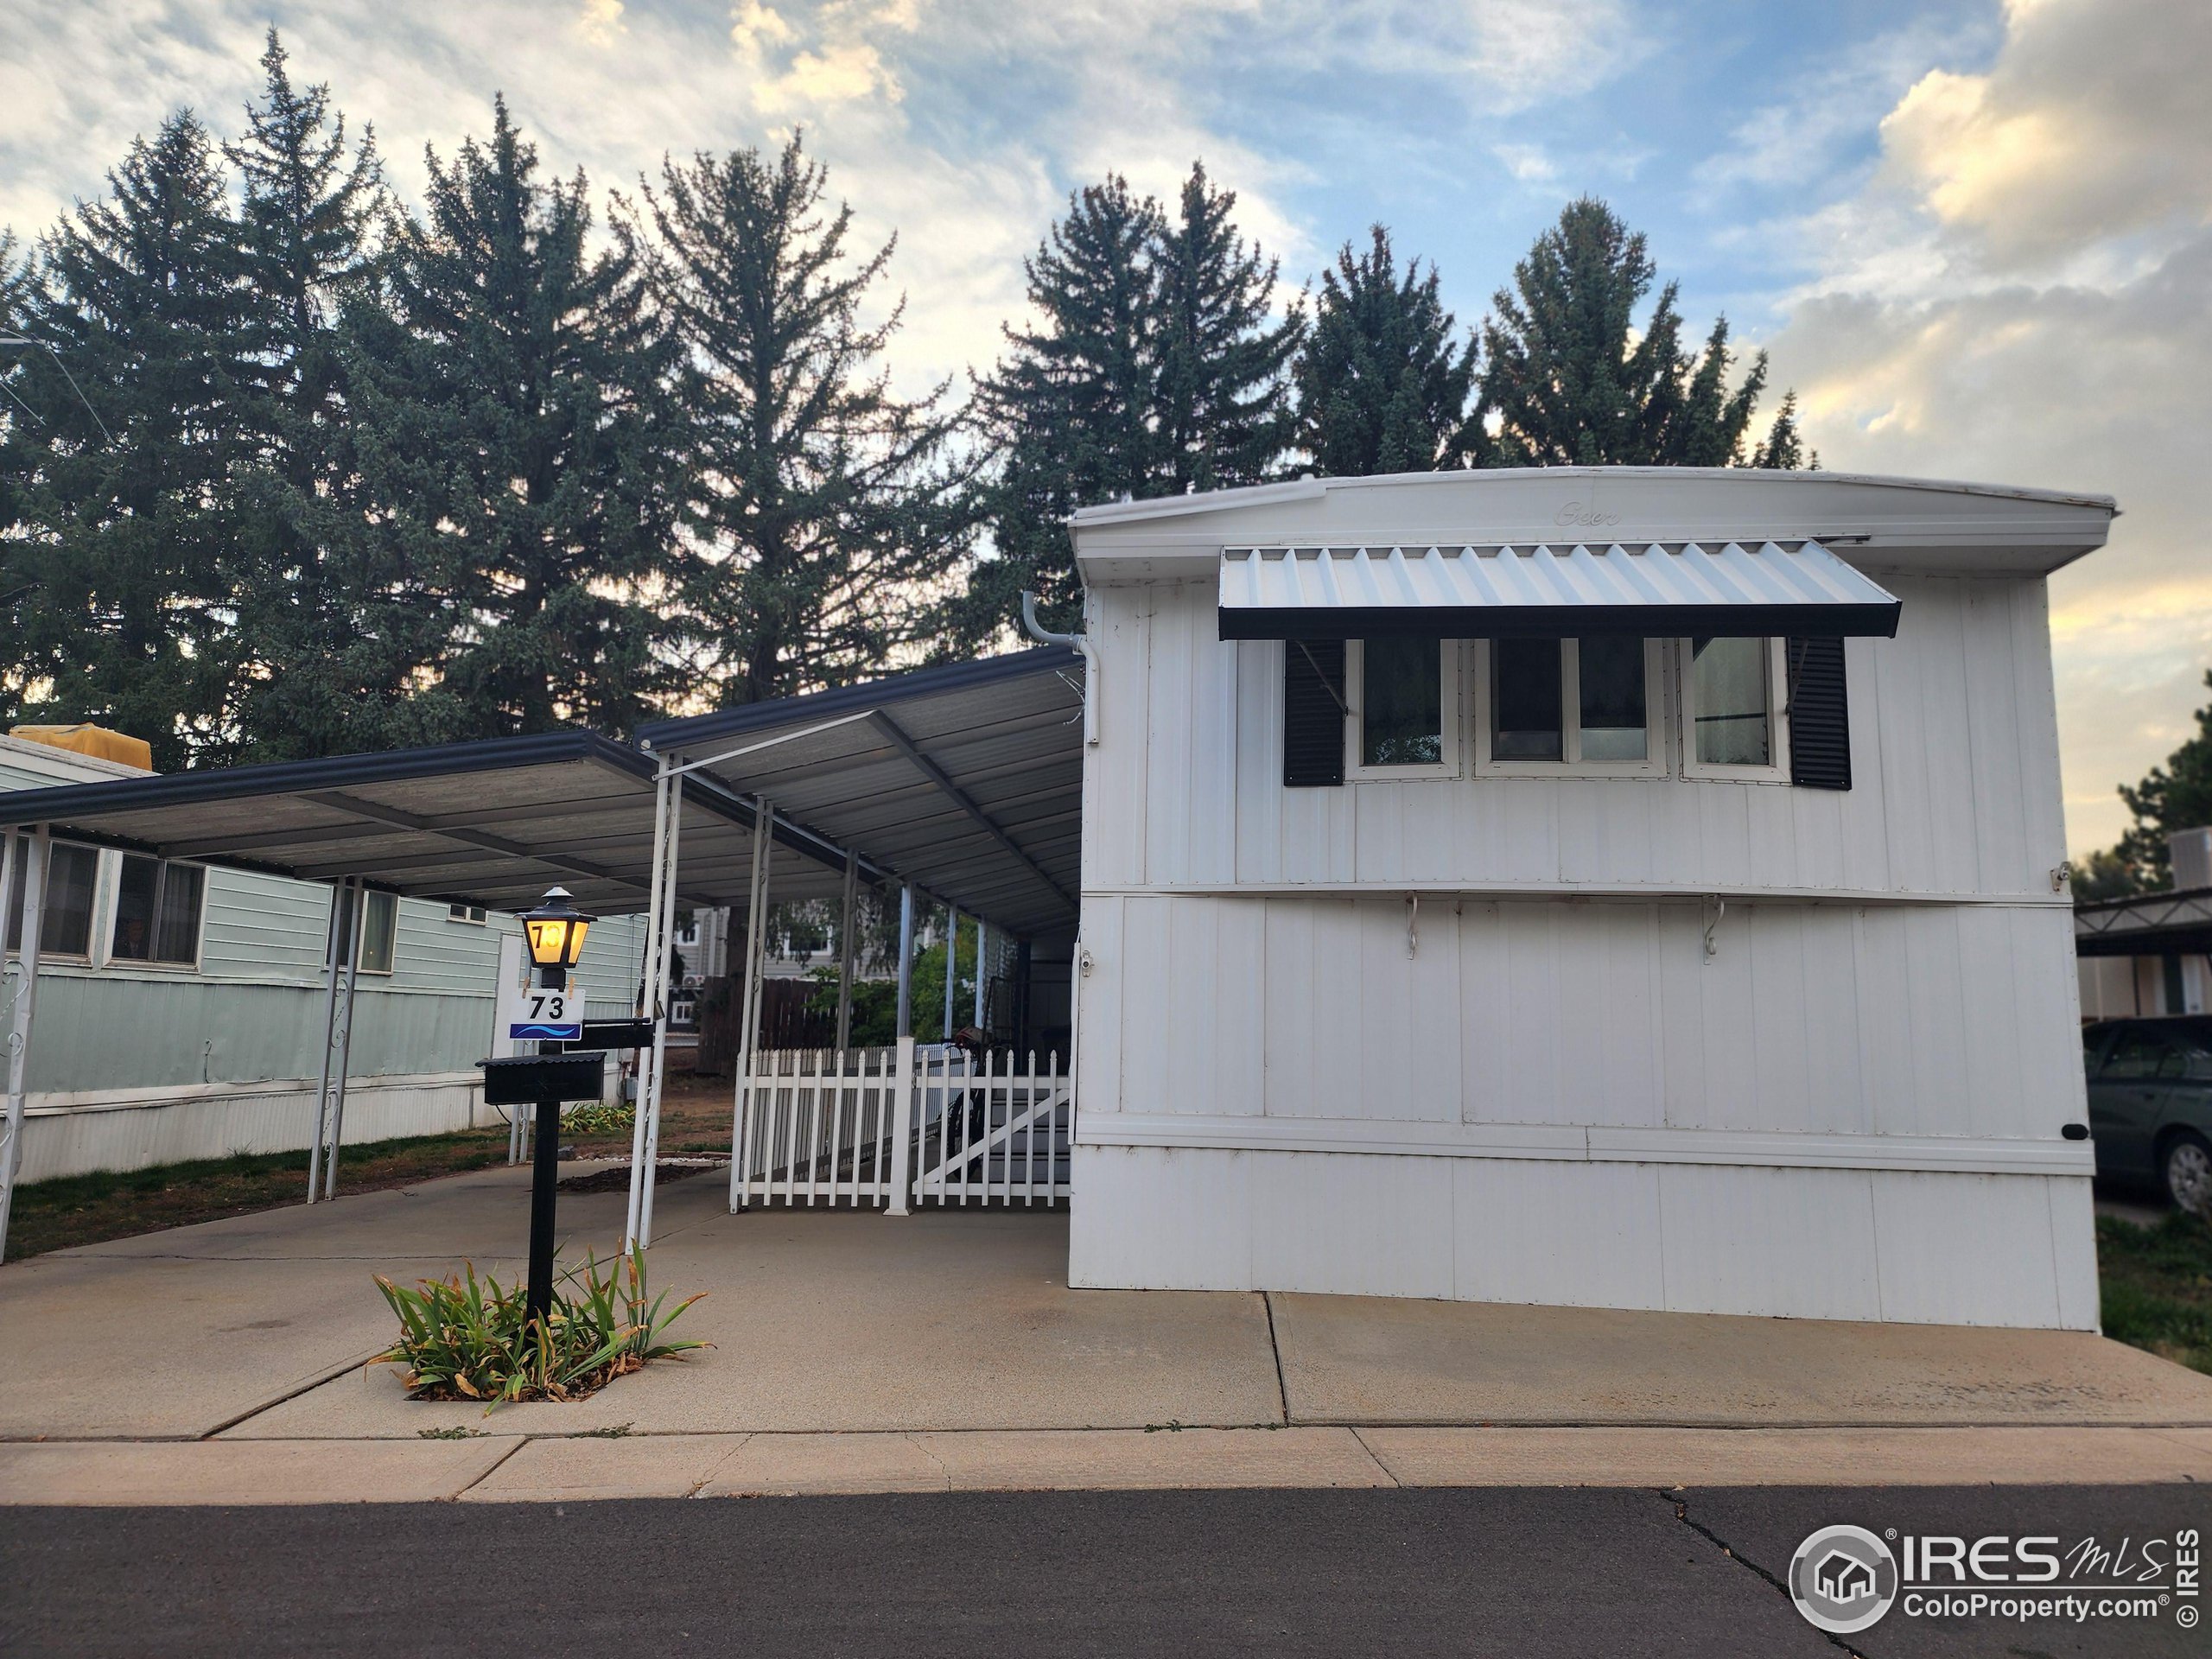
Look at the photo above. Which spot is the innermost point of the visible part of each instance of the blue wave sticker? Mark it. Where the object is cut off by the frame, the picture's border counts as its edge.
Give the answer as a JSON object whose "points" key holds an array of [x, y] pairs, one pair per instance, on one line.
{"points": [[546, 1033]]}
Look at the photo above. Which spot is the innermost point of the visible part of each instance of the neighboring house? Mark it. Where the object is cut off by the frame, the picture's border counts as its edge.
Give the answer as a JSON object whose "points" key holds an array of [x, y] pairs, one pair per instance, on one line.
{"points": [[2151, 953], [180, 1005], [1626, 887]]}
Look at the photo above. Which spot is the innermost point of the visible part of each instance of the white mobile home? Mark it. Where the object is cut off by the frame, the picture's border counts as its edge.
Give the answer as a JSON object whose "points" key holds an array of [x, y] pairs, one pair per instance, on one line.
{"points": [[1624, 887]]}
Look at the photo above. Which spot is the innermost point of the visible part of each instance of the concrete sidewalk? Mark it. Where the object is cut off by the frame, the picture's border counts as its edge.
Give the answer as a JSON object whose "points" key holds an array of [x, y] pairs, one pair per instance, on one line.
{"points": [[944, 1350]]}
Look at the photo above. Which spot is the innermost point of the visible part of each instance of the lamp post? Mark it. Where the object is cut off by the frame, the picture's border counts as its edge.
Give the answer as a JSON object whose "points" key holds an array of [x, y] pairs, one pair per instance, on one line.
{"points": [[555, 931]]}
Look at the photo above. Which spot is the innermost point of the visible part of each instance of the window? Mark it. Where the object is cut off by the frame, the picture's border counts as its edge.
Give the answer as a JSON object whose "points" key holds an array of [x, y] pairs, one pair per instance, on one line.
{"points": [[2137, 1055], [1733, 720], [465, 914], [157, 906], [1528, 718], [1588, 704], [1401, 716], [65, 919], [379, 932]]}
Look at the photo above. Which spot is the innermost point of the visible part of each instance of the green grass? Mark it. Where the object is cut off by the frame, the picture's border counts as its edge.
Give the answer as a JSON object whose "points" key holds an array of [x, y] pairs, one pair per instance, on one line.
{"points": [[2157, 1285], [76, 1209]]}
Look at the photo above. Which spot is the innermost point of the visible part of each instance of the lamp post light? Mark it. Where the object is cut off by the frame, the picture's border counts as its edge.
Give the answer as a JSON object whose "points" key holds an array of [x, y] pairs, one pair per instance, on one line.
{"points": [[555, 931]]}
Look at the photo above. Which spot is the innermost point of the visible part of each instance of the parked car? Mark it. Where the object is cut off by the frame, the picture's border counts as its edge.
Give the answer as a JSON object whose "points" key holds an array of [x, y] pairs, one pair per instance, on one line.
{"points": [[2151, 1103]]}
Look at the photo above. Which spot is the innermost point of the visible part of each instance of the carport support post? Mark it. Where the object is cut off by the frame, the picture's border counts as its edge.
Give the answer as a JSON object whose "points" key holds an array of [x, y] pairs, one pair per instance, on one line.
{"points": [[847, 927], [355, 909], [653, 1004], [36, 857], [906, 960], [665, 989], [951, 964], [982, 931], [741, 1128], [337, 957]]}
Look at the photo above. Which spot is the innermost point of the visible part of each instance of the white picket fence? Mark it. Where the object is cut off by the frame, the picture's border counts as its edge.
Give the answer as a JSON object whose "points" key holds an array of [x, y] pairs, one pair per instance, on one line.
{"points": [[890, 1127]]}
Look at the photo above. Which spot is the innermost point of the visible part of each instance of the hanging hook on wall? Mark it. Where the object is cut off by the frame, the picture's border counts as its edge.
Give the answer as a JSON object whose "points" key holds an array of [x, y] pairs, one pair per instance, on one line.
{"points": [[1413, 924], [1712, 928]]}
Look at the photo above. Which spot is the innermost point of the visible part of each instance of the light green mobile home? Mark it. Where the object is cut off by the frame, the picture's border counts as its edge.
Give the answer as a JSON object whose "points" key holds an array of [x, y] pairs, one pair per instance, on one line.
{"points": [[180, 1005]]}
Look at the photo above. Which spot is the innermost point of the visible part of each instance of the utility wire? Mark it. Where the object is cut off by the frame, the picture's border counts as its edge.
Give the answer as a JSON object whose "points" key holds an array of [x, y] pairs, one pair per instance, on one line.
{"points": [[41, 346]]}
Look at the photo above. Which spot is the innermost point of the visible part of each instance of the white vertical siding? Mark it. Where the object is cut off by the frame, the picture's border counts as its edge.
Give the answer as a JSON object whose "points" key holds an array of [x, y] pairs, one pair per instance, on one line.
{"points": [[1805, 1244], [1954, 765], [1831, 1019]]}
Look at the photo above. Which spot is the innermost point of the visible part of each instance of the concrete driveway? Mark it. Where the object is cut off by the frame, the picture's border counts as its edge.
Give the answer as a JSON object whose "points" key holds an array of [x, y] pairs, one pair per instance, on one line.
{"points": [[832, 1325]]}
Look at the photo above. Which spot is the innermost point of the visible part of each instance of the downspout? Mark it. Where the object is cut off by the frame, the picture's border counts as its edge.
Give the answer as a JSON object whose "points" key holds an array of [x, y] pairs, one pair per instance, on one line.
{"points": [[1081, 642]]}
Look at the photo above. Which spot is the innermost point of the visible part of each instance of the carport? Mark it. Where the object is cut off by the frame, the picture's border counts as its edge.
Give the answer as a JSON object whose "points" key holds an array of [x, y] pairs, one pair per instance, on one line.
{"points": [[960, 785]]}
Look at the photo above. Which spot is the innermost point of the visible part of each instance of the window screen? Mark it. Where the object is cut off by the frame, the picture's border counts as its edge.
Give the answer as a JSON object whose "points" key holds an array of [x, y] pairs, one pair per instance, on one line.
{"points": [[1729, 694], [66, 919], [1525, 700], [1610, 682], [1400, 702], [379, 932], [156, 912]]}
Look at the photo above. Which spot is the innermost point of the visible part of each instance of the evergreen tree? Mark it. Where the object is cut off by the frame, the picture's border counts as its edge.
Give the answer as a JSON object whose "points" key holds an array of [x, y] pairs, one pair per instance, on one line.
{"points": [[1570, 381], [1224, 416], [1069, 412], [1381, 386], [121, 567], [1783, 447], [1155, 367], [2175, 796], [514, 438], [823, 511], [320, 667]]}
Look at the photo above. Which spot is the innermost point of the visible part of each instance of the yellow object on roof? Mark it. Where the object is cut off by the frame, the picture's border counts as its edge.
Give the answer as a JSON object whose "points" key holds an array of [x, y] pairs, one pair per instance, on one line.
{"points": [[95, 740]]}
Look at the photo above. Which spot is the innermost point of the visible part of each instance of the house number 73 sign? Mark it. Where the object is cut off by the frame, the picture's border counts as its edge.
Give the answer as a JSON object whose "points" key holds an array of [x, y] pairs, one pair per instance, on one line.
{"points": [[529, 1012]]}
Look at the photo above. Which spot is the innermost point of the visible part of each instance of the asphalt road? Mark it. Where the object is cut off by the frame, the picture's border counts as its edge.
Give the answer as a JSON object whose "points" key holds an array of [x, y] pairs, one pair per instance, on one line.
{"points": [[1527, 1574]]}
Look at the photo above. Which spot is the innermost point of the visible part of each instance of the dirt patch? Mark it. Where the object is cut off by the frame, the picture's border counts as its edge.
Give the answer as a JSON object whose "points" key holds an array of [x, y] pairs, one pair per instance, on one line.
{"points": [[615, 1178]]}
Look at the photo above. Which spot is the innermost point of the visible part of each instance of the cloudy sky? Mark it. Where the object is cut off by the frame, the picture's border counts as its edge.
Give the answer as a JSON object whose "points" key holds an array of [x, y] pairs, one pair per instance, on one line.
{"points": [[1975, 235]]}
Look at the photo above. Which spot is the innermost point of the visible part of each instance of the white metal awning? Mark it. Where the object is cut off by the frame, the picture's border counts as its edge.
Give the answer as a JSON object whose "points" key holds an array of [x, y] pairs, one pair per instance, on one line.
{"points": [[1672, 589]]}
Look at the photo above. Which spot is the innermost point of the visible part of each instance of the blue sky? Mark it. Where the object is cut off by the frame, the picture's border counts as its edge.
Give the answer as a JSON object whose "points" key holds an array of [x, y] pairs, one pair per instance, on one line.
{"points": [[1976, 236]]}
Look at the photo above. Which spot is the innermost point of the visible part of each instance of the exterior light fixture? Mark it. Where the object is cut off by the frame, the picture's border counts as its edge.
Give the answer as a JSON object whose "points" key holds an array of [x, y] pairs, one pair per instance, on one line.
{"points": [[556, 929]]}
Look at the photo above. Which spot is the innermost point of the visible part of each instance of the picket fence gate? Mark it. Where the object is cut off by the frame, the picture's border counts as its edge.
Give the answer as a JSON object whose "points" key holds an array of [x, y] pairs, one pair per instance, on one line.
{"points": [[892, 1128]]}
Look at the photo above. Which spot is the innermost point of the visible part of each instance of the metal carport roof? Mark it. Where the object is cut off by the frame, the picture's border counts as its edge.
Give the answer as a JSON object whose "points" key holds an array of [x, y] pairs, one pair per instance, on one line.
{"points": [[966, 779], [493, 823]]}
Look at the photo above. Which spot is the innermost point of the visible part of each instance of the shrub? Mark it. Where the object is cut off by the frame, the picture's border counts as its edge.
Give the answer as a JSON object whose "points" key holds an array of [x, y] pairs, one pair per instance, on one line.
{"points": [[600, 1117], [463, 1337]]}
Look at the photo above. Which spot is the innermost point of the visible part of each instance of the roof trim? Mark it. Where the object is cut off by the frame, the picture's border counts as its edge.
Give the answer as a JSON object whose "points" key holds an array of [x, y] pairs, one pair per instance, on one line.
{"points": [[1176, 506], [327, 771], [665, 735]]}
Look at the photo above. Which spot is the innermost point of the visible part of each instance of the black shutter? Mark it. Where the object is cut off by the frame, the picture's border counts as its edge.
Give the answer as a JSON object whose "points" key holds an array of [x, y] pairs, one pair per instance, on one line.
{"points": [[1820, 714], [1313, 713]]}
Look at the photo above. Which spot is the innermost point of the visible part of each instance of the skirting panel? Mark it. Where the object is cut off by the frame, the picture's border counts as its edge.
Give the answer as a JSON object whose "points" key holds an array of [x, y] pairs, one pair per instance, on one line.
{"points": [[259, 1117], [1912, 1246]]}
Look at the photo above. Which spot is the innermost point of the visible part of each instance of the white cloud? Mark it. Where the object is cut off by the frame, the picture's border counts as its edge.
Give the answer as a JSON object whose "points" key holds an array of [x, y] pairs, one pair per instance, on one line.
{"points": [[2017, 294]]}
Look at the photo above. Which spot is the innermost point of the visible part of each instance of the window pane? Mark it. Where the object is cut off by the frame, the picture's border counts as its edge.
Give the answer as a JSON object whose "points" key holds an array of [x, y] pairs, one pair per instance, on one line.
{"points": [[1524, 700], [1612, 698], [134, 909], [379, 924], [1400, 702], [176, 932], [66, 928], [1729, 693], [2135, 1055]]}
